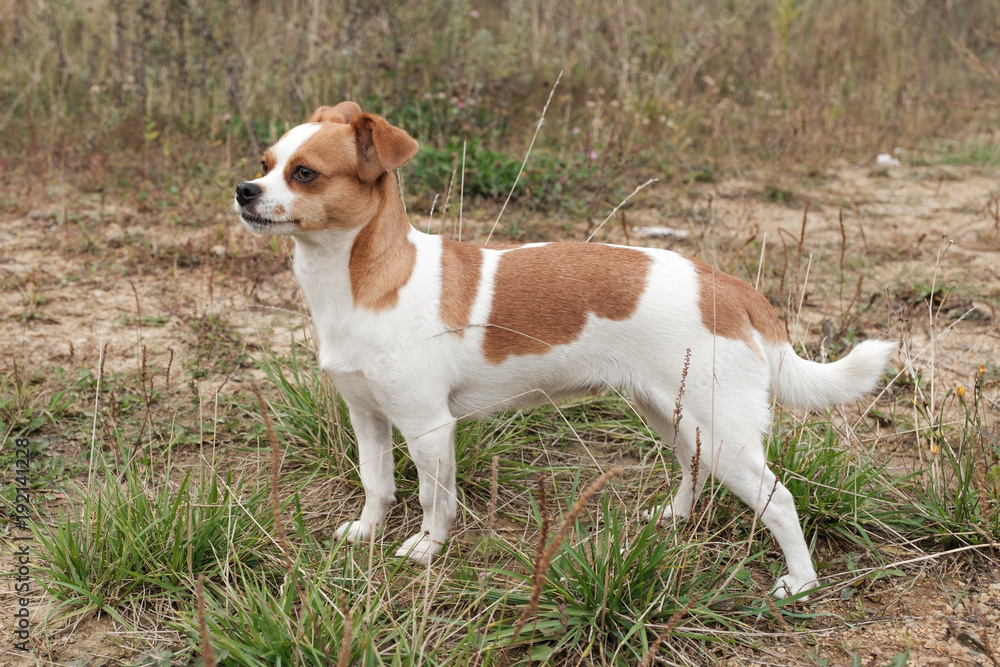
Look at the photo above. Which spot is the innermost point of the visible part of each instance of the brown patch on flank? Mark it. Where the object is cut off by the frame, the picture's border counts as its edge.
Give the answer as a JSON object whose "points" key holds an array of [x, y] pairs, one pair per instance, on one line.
{"points": [[461, 267], [732, 309], [542, 295], [382, 257]]}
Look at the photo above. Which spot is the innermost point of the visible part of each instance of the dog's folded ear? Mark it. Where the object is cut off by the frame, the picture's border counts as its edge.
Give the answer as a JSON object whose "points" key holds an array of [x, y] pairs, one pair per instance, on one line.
{"points": [[381, 147], [344, 112]]}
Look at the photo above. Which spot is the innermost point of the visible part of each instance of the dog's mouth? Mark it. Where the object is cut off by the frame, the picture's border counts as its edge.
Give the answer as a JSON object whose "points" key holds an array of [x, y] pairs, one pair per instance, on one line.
{"points": [[261, 221]]}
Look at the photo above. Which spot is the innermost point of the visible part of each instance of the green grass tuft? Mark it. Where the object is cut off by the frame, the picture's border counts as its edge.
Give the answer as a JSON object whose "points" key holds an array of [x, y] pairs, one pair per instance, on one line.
{"points": [[136, 537]]}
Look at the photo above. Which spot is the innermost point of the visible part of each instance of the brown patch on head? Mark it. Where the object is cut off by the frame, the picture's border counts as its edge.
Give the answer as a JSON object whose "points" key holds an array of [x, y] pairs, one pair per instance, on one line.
{"points": [[336, 198], [335, 179], [461, 267], [342, 113], [543, 295], [732, 309], [349, 161]]}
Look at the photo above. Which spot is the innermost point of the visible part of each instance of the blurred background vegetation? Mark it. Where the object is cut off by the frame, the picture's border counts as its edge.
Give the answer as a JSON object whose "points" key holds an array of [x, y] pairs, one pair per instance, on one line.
{"points": [[686, 89]]}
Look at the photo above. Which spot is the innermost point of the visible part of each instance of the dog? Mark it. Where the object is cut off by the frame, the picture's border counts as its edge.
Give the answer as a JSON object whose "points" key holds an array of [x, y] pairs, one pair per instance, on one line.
{"points": [[419, 332]]}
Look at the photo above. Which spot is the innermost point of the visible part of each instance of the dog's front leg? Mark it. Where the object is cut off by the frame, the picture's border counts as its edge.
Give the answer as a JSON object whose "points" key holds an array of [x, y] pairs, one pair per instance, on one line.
{"points": [[375, 467], [432, 448]]}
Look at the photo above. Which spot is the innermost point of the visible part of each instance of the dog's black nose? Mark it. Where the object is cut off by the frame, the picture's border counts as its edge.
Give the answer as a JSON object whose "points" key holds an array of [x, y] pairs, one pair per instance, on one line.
{"points": [[246, 192]]}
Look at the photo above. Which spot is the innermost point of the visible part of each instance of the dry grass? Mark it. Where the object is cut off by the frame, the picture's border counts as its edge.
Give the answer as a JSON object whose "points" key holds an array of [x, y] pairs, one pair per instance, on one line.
{"points": [[738, 85]]}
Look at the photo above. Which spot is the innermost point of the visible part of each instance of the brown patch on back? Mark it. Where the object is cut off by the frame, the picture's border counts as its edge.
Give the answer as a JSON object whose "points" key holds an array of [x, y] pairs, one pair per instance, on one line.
{"points": [[732, 309], [382, 257], [542, 295], [461, 267]]}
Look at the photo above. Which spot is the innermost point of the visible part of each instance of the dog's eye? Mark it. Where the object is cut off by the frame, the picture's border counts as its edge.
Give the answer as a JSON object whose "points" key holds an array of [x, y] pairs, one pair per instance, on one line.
{"points": [[304, 174], [263, 168]]}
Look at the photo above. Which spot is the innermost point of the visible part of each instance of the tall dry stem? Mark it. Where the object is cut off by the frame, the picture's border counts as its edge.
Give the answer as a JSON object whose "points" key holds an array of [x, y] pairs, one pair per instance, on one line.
{"points": [[207, 654], [527, 154], [492, 507]]}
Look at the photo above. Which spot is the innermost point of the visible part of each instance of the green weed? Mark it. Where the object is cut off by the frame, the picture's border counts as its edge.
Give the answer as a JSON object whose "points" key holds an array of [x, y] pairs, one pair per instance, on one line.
{"points": [[837, 491], [310, 414], [25, 406], [974, 153], [135, 538], [958, 497], [489, 174], [614, 586], [251, 622]]}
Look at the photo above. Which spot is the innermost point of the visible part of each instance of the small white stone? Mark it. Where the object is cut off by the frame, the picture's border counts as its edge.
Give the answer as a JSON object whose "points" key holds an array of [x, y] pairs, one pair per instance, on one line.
{"points": [[660, 232], [886, 160]]}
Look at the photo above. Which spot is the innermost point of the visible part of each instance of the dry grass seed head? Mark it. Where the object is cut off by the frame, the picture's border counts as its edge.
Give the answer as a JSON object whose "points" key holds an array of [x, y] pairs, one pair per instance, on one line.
{"points": [[695, 466], [344, 656], [680, 392]]}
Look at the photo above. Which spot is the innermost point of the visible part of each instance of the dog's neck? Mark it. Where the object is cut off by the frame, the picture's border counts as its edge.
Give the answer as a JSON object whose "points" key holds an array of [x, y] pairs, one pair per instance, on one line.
{"points": [[363, 267]]}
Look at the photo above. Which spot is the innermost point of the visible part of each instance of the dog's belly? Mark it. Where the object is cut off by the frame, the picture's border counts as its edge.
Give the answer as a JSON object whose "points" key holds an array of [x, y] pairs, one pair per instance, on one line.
{"points": [[478, 402], [525, 382]]}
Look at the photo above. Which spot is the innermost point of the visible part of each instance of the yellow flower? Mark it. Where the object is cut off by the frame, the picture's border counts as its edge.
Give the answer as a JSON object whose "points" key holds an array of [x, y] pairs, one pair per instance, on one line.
{"points": [[960, 390], [935, 448], [982, 370]]}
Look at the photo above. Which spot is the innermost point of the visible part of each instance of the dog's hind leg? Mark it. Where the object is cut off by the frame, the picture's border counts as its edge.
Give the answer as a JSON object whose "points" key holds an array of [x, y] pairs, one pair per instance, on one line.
{"points": [[684, 440], [738, 461], [375, 467], [742, 468]]}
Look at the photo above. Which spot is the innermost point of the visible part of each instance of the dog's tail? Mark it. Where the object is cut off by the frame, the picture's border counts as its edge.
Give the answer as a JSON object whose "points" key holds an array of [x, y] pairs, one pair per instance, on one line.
{"points": [[801, 383]]}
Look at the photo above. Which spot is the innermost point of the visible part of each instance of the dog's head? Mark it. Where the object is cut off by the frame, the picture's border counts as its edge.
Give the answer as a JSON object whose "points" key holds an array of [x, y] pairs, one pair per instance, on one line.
{"points": [[324, 174]]}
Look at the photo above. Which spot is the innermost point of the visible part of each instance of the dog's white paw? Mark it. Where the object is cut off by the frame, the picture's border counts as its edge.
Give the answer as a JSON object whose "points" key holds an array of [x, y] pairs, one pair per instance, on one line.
{"points": [[354, 531], [420, 548], [789, 585], [662, 515]]}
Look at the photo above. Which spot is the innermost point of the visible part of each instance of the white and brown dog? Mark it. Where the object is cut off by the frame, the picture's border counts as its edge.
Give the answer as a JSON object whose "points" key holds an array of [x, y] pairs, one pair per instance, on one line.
{"points": [[419, 332]]}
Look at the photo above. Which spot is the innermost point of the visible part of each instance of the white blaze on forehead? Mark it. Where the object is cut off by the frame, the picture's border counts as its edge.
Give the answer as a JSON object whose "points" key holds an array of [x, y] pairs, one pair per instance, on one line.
{"points": [[276, 190], [291, 142]]}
